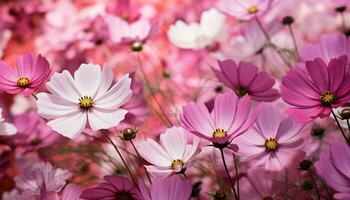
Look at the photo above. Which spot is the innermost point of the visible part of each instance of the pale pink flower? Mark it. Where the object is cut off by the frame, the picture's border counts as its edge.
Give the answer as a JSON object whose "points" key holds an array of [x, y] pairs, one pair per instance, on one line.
{"points": [[71, 192], [173, 155], [276, 141], [88, 97], [230, 118], [30, 73], [170, 188], [5, 127]]}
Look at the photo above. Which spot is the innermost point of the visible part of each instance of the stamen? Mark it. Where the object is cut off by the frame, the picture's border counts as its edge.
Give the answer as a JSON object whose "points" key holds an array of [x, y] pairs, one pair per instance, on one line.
{"points": [[252, 10], [219, 133], [177, 165], [86, 102], [328, 98], [23, 82], [271, 144]]}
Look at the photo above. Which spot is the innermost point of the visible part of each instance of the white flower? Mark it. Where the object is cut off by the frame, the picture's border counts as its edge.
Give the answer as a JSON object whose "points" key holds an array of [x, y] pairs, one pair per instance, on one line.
{"points": [[197, 35], [6, 128], [88, 97]]}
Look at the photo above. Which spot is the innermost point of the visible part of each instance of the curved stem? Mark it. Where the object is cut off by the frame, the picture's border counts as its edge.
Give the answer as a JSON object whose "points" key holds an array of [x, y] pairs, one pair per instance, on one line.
{"points": [[348, 122], [294, 41], [34, 96], [237, 175], [314, 181], [341, 129], [138, 155], [228, 174]]}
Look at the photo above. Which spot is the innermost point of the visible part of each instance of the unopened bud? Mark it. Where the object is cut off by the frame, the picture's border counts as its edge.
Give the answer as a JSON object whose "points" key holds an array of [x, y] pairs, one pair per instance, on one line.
{"points": [[128, 134]]}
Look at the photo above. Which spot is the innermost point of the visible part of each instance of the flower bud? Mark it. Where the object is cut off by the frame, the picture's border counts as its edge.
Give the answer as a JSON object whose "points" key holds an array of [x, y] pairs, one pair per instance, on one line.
{"points": [[128, 134], [305, 165], [288, 20]]}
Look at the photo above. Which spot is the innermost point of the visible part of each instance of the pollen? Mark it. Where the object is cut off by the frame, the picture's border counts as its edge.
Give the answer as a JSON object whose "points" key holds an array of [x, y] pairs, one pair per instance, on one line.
{"points": [[252, 10], [271, 144], [328, 98], [219, 133], [23, 82], [177, 165], [86, 102]]}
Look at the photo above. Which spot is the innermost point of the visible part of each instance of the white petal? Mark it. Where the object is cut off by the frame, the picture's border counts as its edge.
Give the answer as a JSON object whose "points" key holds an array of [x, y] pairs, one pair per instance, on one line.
{"points": [[212, 22], [87, 78], [174, 142], [105, 81], [191, 149], [7, 129], [154, 153], [69, 126], [51, 106], [119, 94], [184, 35], [104, 119], [63, 85]]}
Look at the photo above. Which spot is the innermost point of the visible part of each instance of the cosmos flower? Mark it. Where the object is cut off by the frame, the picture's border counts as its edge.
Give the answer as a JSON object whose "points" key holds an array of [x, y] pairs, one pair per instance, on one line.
{"points": [[172, 156], [230, 118], [245, 79], [245, 9], [116, 187], [197, 35], [5, 127], [317, 88], [29, 75], [170, 188], [71, 192], [89, 97], [275, 141], [333, 167], [332, 45]]}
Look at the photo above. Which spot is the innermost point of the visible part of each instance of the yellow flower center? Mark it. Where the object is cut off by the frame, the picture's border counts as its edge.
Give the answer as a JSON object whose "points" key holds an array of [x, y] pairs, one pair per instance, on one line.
{"points": [[86, 102], [177, 165], [271, 144], [219, 133], [23, 82], [328, 98], [252, 10]]}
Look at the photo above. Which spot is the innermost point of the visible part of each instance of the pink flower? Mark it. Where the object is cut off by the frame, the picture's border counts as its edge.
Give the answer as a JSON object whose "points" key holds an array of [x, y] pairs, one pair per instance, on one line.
{"points": [[170, 188], [245, 79], [317, 88], [172, 156], [331, 45], [230, 118], [275, 141], [88, 97], [116, 187], [5, 127], [245, 9], [29, 75], [71, 192], [333, 167]]}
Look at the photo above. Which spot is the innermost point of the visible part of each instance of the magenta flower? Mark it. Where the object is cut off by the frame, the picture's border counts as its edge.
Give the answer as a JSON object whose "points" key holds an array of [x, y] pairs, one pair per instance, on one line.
{"points": [[245, 79], [333, 167], [170, 188], [29, 75], [230, 118], [317, 88], [275, 141], [116, 187], [245, 9], [172, 156]]}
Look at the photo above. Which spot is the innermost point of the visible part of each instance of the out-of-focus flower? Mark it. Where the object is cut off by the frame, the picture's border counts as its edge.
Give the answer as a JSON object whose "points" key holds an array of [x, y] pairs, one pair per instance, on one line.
{"points": [[314, 91], [331, 45], [172, 156], [245, 9], [230, 118], [333, 167], [275, 141], [245, 79], [87, 97], [116, 187], [198, 35], [6, 128], [170, 188], [29, 75], [71, 192]]}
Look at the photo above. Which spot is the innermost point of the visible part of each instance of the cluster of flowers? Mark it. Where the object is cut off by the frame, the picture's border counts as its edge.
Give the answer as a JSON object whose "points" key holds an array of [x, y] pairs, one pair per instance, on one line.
{"points": [[224, 99]]}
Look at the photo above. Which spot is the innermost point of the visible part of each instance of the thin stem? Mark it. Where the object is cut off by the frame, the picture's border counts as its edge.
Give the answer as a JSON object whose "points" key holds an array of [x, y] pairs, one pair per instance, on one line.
{"points": [[314, 181], [263, 29], [237, 175], [341, 129], [228, 174], [348, 122], [120, 155], [138, 155], [294, 41], [35, 97], [343, 21]]}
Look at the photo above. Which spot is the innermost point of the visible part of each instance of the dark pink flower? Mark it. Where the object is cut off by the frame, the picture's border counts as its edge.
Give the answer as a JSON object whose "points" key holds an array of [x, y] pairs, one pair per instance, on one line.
{"points": [[29, 75], [315, 89], [116, 187], [333, 167], [245, 79]]}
